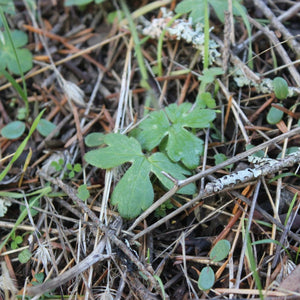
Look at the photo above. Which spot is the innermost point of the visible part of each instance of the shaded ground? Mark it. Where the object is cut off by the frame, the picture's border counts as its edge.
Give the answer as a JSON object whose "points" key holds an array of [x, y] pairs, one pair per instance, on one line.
{"points": [[98, 56]]}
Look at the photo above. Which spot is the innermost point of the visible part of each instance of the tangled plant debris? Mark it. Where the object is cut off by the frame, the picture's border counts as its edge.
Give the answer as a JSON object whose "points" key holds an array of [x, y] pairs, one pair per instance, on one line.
{"points": [[151, 151]]}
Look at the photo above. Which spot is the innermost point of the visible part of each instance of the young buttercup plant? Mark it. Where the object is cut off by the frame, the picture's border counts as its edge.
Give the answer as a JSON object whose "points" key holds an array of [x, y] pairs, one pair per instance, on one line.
{"points": [[180, 152]]}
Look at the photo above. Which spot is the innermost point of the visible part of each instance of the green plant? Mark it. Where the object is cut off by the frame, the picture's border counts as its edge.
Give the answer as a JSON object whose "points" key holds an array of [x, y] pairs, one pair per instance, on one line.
{"points": [[73, 169], [207, 276], [150, 98], [83, 192], [13, 130], [24, 256], [10, 56], [7, 7], [59, 166], [274, 115], [10, 48], [81, 2], [280, 87], [39, 278], [168, 129], [196, 8], [22, 146], [160, 45], [162, 210], [219, 158], [16, 241], [252, 261], [204, 99], [45, 127]]}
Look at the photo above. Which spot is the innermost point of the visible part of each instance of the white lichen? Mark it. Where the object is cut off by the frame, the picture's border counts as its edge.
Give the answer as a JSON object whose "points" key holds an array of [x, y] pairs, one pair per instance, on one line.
{"points": [[3, 206], [263, 87], [181, 29]]}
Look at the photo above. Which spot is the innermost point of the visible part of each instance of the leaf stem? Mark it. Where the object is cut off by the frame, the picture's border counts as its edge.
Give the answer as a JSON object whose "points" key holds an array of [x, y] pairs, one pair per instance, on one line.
{"points": [[206, 34]]}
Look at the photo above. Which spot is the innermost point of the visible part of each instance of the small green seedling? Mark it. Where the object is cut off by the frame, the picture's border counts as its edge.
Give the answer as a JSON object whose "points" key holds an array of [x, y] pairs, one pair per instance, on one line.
{"points": [[204, 99], [58, 165], [73, 169], [83, 192], [274, 115], [13, 130], [39, 279], [162, 210], [260, 153], [281, 90], [45, 127], [8, 55], [24, 256], [22, 146], [180, 150], [207, 276], [16, 241], [219, 158]]}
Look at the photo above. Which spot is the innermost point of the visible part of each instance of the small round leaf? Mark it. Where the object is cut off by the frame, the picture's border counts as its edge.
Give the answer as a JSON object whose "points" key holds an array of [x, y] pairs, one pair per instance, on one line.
{"points": [[206, 279], [288, 151], [45, 127], [94, 139], [274, 115], [13, 130], [219, 158], [280, 88], [24, 256], [83, 192], [220, 250], [39, 277]]}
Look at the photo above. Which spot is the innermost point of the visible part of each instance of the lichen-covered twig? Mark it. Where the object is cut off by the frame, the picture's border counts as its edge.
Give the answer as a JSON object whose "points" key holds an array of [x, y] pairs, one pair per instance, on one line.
{"points": [[265, 166], [198, 176]]}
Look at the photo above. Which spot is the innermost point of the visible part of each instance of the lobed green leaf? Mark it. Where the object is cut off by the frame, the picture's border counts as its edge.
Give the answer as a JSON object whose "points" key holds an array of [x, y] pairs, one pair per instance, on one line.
{"points": [[180, 144], [134, 192], [160, 162], [185, 146], [120, 149], [154, 128]]}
